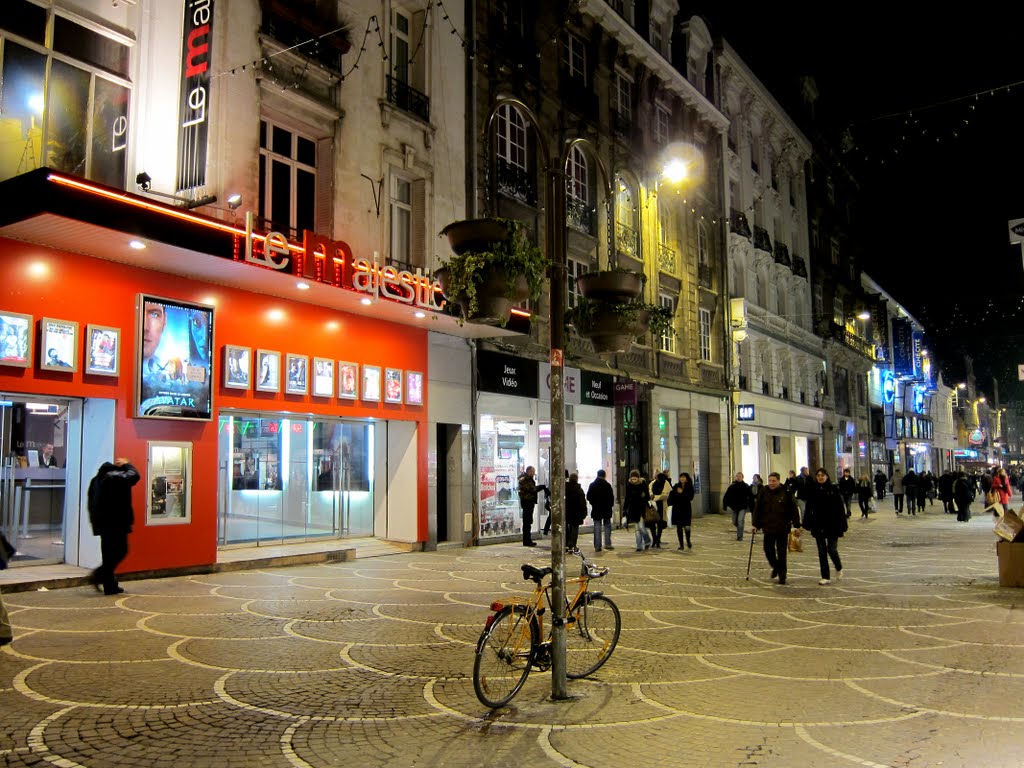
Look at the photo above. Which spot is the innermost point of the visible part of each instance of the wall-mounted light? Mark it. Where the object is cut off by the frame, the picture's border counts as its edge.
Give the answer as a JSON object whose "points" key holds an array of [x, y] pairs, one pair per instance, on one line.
{"points": [[863, 314], [145, 183], [234, 201]]}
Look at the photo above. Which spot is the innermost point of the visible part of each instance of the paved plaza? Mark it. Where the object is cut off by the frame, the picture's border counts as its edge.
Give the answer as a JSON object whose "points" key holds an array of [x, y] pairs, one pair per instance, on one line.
{"points": [[912, 659]]}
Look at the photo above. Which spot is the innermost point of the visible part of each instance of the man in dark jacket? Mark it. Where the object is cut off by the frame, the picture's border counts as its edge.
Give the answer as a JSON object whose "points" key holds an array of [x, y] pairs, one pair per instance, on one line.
{"points": [[528, 500], [112, 518], [847, 487], [575, 510], [738, 499], [880, 482], [775, 513], [601, 498]]}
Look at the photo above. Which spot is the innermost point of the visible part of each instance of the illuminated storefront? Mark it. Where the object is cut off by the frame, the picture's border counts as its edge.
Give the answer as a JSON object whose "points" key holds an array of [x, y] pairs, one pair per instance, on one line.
{"points": [[514, 426], [262, 402]]}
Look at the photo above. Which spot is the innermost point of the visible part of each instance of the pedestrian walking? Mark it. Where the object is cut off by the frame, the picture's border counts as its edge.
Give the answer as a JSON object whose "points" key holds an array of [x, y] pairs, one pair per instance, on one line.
{"points": [[924, 489], [528, 501], [738, 499], [1001, 486], [803, 485], [847, 489], [602, 499], [6, 553], [659, 490], [680, 500], [946, 480], [112, 517], [963, 495], [910, 488], [897, 491], [775, 513], [880, 482], [825, 518], [864, 495], [638, 497], [575, 510]]}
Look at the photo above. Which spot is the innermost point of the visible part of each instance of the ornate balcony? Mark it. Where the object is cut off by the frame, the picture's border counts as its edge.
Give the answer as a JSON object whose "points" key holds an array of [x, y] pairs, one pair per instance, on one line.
{"points": [[579, 216], [799, 266], [627, 240], [854, 342], [738, 223], [408, 99], [782, 254], [761, 239], [711, 375], [666, 259], [516, 182], [704, 278]]}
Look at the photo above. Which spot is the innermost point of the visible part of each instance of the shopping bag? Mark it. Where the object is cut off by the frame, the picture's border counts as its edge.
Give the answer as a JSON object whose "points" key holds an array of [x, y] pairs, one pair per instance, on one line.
{"points": [[795, 545], [873, 504]]}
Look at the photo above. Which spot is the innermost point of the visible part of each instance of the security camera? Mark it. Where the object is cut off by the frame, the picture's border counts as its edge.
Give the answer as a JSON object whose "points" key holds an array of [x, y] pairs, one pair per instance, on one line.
{"points": [[144, 180]]}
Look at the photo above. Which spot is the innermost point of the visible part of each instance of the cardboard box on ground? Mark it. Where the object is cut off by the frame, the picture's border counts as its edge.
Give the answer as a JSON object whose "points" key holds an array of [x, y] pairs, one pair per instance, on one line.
{"points": [[1010, 551]]}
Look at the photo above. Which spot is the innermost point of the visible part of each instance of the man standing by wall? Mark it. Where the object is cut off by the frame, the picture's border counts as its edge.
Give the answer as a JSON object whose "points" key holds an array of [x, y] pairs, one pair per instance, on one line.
{"points": [[112, 517]]}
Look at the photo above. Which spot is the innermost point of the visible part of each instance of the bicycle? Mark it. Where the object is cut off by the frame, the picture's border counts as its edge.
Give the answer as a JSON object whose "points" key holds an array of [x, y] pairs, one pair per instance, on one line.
{"points": [[510, 645]]}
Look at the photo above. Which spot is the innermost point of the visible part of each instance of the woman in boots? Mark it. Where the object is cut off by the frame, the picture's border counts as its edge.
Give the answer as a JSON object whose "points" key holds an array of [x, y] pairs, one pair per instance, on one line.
{"points": [[680, 500]]}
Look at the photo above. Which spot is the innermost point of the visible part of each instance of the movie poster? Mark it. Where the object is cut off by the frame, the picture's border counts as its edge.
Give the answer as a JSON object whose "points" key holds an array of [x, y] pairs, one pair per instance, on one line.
{"points": [[175, 359]]}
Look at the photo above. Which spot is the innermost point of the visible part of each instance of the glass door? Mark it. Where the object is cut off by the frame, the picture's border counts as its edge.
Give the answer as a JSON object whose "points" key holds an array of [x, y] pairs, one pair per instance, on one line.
{"points": [[33, 459], [287, 480]]}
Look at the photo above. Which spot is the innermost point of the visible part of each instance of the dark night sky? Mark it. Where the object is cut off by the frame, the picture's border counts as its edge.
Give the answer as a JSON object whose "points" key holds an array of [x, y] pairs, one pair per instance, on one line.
{"points": [[941, 177]]}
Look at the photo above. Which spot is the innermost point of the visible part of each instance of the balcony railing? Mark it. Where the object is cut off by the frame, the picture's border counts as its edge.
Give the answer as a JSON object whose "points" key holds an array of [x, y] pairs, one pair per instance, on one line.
{"points": [[761, 239], [579, 216], [408, 99], [782, 254], [666, 259], [738, 223], [854, 342], [516, 182], [627, 240], [711, 375], [704, 275], [799, 266]]}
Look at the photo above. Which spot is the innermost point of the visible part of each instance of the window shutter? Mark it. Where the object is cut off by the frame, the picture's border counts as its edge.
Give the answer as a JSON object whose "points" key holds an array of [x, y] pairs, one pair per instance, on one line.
{"points": [[418, 237], [324, 187]]}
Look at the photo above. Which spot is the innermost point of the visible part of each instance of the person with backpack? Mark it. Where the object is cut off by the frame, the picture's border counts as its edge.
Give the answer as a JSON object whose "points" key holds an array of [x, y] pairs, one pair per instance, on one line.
{"points": [[112, 518]]}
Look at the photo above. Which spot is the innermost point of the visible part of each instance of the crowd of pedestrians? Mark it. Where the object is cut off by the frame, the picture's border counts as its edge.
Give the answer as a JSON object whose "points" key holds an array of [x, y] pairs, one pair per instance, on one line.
{"points": [[780, 510]]}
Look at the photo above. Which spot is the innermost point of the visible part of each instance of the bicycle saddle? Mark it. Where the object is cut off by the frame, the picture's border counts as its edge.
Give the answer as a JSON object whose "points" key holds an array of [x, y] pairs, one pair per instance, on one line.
{"points": [[535, 574]]}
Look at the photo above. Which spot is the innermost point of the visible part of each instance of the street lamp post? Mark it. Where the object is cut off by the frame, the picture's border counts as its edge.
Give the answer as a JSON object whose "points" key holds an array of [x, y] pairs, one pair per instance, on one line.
{"points": [[555, 223]]}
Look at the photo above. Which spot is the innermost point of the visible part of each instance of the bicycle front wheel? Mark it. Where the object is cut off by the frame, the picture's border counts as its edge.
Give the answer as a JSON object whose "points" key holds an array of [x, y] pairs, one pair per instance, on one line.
{"points": [[591, 634], [504, 653]]}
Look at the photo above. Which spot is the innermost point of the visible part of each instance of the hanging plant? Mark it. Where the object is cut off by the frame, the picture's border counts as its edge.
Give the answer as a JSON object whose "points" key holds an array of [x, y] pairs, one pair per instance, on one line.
{"points": [[495, 266], [612, 285], [612, 326]]}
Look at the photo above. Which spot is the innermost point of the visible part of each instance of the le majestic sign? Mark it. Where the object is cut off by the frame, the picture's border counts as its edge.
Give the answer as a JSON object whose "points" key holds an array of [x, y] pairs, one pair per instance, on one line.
{"points": [[323, 260]]}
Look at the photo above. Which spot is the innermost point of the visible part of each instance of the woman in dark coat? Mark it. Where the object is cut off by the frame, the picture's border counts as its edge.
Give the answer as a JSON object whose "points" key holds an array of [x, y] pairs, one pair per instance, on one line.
{"points": [[825, 518], [575, 510], [680, 500], [634, 503], [864, 494], [910, 488]]}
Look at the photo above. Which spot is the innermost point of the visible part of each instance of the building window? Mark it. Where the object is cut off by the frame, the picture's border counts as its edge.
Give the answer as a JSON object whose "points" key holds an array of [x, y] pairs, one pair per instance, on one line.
{"points": [[407, 80], [68, 111], [815, 236], [622, 100], [657, 38], [574, 58], [835, 252], [511, 16], [702, 244], [574, 269], [511, 132], [667, 342], [662, 122], [704, 330], [838, 314], [406, 222], [577, 187], [288, 179]]}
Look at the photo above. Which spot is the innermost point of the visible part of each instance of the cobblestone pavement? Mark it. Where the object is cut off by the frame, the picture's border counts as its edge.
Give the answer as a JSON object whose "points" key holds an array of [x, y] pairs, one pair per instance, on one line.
{"points": [[911, 659]]}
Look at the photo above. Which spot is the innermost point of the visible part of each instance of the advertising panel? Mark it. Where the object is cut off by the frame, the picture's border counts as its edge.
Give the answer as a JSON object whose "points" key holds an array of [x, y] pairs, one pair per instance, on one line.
{"points": [[174, 358]]}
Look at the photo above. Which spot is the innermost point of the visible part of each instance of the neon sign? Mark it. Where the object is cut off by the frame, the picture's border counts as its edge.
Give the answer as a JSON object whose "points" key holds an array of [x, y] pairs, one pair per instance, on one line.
{"points": [[888, 387]]}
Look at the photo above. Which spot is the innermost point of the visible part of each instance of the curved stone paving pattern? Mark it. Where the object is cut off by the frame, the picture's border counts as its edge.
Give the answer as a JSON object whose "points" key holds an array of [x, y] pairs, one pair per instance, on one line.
{"points": [[904, 662]]}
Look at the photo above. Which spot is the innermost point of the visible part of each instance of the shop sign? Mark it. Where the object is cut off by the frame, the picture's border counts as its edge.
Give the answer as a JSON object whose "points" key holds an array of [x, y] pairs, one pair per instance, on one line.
{"points": [[965, 453], [745, 413], [888, 388], [977, 437], [918, 399], [331, 262], [902, 347], [625, 392], [570, 384], [194, 97], [596, 389], [506, 375]]}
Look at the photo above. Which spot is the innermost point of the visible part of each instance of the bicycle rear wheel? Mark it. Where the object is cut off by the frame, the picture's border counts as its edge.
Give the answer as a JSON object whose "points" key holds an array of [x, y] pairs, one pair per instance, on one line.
{"points": [[504, 653], [591, 634]]}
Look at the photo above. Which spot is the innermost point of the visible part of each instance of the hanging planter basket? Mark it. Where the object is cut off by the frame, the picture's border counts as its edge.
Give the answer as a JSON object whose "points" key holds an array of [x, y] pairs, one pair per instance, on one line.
{"points": [[612, 331], [475, 234], [495, 298], [612, 286]]}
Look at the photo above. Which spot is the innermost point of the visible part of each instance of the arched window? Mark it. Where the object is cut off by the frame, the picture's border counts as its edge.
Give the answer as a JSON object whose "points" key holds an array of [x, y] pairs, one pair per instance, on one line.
{"points": [[511, 130], [627, 235], [702, 243], [577, 188]]}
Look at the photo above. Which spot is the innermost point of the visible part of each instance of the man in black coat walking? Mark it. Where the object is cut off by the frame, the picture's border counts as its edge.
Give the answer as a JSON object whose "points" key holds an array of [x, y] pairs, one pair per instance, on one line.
{"points": [[602, 499], [775, 513], [112, 518]]}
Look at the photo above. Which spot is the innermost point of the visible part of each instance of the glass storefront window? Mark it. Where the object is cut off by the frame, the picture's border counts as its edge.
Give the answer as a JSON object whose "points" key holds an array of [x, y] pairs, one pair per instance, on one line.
{"points": [[295, 479], [21, 106], [502, 459], [68, 105]]}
